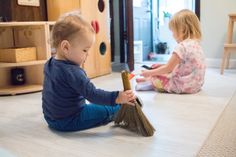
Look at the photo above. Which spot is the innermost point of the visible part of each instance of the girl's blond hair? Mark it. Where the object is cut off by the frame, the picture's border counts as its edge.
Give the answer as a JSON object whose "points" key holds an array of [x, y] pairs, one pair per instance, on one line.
{"points": [[186, 24], [69, 26]]}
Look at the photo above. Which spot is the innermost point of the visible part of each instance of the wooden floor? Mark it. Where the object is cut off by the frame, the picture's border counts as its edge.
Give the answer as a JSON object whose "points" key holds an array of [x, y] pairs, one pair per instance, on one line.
{"points": [[183, 123]]}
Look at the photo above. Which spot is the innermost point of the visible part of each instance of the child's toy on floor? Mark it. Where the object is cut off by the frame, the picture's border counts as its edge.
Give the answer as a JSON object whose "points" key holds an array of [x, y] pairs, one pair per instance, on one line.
{"points": [[132, 117]]}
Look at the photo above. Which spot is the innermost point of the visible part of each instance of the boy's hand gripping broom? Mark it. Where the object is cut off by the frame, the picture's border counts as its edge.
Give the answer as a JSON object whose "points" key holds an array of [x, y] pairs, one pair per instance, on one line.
{"points": [[132, 117]]}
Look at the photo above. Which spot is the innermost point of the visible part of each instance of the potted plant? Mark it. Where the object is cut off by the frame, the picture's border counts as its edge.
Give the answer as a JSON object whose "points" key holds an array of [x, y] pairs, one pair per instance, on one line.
{"points": [[162, 48], [166, 16]]}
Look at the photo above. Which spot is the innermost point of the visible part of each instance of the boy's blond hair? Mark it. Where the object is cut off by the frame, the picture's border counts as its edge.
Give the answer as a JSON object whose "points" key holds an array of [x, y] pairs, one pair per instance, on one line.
{"points": [[69, 26], [186, 24]]}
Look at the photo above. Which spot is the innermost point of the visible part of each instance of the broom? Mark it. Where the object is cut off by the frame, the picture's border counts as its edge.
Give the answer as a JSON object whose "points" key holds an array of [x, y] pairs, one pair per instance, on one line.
{"points": [[132, 117]]}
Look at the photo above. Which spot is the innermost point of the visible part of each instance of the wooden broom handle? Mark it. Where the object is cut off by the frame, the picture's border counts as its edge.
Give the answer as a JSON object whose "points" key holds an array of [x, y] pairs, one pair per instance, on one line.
{"points": [[125, 79]]}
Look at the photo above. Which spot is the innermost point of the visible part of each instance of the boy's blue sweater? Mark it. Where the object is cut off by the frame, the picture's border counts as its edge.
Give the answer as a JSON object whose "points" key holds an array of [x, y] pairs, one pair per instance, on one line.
{"points": [[65, 88]]}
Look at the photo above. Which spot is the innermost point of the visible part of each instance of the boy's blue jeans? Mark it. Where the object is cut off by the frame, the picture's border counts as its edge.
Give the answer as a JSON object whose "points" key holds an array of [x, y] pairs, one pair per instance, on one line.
{"points": [[90, 116]]}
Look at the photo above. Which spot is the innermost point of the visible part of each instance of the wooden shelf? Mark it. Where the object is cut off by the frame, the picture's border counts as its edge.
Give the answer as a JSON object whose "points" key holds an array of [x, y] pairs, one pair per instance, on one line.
{"points": [[36, 23], [22, 89], [22, 35], [51, 23], [14, 24], [38, 62]]}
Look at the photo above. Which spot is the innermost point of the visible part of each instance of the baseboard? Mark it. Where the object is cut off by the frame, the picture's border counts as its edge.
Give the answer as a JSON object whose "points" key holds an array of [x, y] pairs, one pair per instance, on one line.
{"points": [[216, 63]]}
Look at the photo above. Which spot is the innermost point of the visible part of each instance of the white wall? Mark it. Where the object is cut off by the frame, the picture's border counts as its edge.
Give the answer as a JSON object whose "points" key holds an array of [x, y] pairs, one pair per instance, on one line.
{"points": [[214, 22]]}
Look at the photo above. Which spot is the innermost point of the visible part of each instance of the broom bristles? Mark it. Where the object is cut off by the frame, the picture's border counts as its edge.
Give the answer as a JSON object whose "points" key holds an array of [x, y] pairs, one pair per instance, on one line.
{"points": [[132, 117]]}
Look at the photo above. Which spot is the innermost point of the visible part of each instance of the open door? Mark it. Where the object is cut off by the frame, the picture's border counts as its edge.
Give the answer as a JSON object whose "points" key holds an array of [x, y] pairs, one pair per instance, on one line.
{"points": [[142, 14]]}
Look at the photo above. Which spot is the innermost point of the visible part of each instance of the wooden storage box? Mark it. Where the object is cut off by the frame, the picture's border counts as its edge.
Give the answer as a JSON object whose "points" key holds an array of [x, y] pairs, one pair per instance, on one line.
{"points": [[16, 55], [11, 10]]}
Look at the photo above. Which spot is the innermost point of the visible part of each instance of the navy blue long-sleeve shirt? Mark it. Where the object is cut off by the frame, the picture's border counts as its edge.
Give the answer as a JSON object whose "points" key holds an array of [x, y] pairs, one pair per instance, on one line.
{"points": [[65, 88]]}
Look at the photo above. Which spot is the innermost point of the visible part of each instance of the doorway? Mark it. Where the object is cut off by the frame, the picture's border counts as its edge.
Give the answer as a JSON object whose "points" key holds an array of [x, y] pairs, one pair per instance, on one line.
{"points": [[122, 35], [153, 40], [143, 27], [141, 31]]}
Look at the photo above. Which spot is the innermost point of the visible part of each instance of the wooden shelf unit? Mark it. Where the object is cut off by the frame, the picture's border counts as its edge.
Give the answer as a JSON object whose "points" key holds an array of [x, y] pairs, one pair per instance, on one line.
{"points": [[37, 34], [14, 90], [24, 34]]}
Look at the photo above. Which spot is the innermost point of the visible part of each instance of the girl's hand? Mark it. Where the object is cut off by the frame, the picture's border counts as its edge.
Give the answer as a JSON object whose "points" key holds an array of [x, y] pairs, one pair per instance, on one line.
{"points": [[146, 73], [157, 65], [126, 97]]}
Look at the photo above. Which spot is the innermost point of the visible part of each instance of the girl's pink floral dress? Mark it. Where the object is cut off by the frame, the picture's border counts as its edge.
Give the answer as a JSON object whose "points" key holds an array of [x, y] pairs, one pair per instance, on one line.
{"points": [[188, 76]]}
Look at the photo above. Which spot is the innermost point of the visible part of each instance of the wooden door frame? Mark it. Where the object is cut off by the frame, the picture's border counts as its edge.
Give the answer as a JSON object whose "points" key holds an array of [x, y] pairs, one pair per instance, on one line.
{"points": [[197, 8], [112, 30], [126, 33]]}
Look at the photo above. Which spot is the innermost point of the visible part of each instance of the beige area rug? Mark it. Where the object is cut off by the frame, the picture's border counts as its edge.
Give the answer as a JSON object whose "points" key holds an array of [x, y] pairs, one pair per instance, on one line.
{"points": [[222, 140], [183, 123]]}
